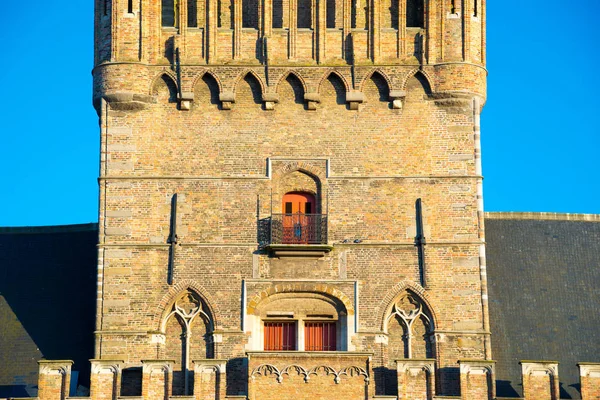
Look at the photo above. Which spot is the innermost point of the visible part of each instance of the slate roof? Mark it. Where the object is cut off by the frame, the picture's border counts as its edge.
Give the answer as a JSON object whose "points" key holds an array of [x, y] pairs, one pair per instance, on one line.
{"points": [[543, 281], [544, 294], [47, 302]]}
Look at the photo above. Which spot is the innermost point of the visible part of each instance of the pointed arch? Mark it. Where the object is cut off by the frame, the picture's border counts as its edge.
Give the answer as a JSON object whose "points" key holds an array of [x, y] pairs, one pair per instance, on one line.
{"points": [[339, 84], [294, 73], [326, 77], [244, 75], [167, 301], [381, 85], [381, 73], [203, 74], [386, 304], [206, 87], [422, 77], [296, 85], [164, 82]]}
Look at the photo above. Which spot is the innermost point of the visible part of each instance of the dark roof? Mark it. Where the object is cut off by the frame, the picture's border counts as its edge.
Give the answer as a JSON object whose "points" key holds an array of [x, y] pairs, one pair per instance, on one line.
{"points": [[543, 282], [47, 302]]}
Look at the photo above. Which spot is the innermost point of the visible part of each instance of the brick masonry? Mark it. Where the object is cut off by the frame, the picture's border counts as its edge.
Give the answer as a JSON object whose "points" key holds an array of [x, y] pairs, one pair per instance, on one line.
{"points": [[230, 118]]}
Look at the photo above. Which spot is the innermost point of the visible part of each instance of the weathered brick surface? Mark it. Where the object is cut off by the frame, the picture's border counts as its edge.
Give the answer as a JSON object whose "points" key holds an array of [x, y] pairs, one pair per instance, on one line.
{"points": [[363, 112], [54, 379], [540, 380]]}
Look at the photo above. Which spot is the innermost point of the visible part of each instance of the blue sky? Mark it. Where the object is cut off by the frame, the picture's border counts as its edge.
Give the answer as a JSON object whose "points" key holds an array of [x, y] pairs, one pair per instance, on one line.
{"points": [[540, 129]]}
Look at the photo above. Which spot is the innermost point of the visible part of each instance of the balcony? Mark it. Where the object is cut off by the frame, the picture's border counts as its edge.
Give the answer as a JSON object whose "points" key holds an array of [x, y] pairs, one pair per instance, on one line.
{"points": [[293, 235]]}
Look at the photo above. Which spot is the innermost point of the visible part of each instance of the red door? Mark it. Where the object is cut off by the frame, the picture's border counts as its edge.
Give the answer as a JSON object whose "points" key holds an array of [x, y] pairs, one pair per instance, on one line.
{"points": [[298, 223]]}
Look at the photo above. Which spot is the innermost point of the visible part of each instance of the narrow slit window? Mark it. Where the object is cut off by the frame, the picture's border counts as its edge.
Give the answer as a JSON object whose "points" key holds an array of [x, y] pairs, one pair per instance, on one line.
{"points": [[414, 14], [330, 13], [130, 6], [277, 13], [452, 7], [250, 14], [475, 10], [192, 14], [304, 14], [105, 7], [169, 11]]}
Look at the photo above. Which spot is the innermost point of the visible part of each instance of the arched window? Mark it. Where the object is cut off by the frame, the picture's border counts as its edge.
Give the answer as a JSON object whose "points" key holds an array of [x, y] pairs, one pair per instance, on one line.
{"points": [[415, 14], [410, 328], [299, 218], [188, 335], [169, 11], [303, 321]]}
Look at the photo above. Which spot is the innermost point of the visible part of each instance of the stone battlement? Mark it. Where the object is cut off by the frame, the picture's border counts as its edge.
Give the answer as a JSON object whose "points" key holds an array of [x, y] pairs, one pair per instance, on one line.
{"points": [[335, 376]]}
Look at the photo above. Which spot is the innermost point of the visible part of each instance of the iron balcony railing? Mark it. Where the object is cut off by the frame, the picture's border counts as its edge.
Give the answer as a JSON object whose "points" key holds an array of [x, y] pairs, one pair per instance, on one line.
{"points": [[298, 228]]}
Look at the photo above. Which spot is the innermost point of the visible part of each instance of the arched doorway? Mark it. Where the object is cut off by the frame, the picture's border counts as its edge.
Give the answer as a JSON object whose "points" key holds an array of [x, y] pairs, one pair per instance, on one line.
{"points": [[299, 218]]}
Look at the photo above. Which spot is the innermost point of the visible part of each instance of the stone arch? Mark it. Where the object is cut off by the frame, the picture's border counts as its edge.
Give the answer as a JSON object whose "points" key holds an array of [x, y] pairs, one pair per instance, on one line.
{"points": [[302, 166], [175, 291], [207, 82], [243, 75], [376, 89], [165, 79], [297, 75], [205, 72], [160, 76], [187, 328], [371, 73], [326, 76], [300, 287], [385, 306], [297, 178], [423, 77]]}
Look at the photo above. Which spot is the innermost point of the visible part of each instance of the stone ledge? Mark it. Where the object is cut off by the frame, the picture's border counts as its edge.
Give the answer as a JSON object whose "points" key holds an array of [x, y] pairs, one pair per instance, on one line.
{"points": [[299, 250]]}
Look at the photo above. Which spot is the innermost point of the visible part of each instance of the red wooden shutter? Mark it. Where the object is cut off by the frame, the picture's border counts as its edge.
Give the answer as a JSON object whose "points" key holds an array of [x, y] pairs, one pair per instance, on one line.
{"points": [[280, 336], [319, 336]]}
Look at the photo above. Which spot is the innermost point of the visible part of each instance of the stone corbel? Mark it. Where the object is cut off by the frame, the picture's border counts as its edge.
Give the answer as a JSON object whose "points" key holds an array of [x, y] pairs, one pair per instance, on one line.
{"points": [[185, 100], [227, 99], [397, 97], [354, 99], [312, 99], [270, 99]]}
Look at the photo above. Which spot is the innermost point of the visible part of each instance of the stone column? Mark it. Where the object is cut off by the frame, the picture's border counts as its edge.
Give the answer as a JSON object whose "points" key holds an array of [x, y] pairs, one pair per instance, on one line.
{"points": [[156, 379], [209, 379], [54, 379], [589, 378], [477, 379], [105, 380], [540, 380], [416, 379]]}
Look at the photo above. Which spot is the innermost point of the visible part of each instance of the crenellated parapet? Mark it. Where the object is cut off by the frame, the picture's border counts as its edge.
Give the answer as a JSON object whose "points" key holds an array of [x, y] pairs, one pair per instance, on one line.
{"points": [[336, 374]]}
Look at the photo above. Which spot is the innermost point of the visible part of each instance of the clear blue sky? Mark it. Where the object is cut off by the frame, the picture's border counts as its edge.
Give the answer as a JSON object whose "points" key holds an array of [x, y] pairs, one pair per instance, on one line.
{"points": [[540, 127]]}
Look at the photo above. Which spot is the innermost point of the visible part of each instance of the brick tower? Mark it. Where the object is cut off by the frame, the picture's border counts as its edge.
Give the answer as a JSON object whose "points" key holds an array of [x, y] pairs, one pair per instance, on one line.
{"points": [[290, 199]]}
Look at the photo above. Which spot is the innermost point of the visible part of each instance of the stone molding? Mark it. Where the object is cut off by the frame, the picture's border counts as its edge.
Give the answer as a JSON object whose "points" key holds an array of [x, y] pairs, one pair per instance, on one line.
{"points": [[477, 367], [539, 368], [107, 366], [414, 366], [591, 370], [270, 369], [157, 366], [55, 367], [210, 365]]}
